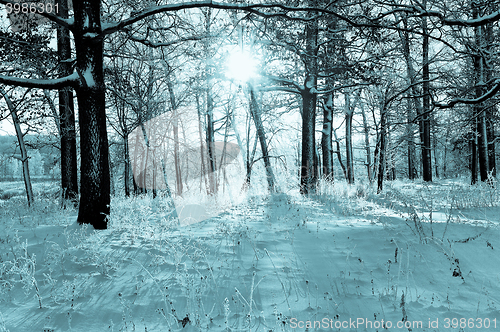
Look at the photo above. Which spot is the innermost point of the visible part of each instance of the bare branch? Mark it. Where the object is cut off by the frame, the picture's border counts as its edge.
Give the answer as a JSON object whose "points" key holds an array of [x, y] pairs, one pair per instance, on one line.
{"points": [[170, 43], [56, 83], [251, 8], [493, 91]]}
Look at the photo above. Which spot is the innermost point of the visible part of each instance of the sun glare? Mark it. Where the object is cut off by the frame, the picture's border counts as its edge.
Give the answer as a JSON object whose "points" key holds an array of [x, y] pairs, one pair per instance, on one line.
{"points": [[241, 66]]}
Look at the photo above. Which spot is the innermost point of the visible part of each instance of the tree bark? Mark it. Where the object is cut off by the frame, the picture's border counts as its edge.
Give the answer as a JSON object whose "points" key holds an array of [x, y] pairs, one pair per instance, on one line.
{"points": [[210, 139], [203, 177], [425, 117], [480, 109], [326, 139], [490, 111], [382, 152], [256, 115], [366, 130], [473, 155], [337, 152], [126, 159], [308, 170], [349, 111], [69, 177], [175, 124], [95, 180], [22, 147], [413, 103]]}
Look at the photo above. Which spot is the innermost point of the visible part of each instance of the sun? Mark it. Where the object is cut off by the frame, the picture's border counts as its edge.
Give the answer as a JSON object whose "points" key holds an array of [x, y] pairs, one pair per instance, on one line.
{"points": [[241, 66]]}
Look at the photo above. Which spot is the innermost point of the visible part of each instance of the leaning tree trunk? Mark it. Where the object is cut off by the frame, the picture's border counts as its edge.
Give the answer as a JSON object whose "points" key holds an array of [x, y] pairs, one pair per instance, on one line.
{"points": [[95, 181], [256, 115], [22, 147], [69, 178]]}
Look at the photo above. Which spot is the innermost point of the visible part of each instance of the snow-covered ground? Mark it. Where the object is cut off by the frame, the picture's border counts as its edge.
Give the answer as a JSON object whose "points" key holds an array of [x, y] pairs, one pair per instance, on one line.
{"points": [[415, 258]]}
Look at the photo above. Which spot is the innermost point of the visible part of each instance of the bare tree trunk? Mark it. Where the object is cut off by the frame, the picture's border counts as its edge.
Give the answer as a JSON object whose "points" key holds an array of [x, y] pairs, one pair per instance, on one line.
{"points": [[126, 158], [490, 129], [349, 111], [479, 109], [412, 171], [175, 123], [424, 117], [490, 111], [249, 156], [367, 145], [256, 115], [326, 139], [413, 103], [382, 152], [210, 144], [69, 177], [22, 147], [445, 152], [337, 152], [95, 181], [308, 170], [473, 148], [203, 175], [435, 150], [390, 162]]}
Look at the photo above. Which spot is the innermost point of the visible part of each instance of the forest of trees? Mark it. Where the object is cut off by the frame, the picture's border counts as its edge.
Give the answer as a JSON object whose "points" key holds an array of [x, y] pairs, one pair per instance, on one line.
{"points": [[383, 91]]}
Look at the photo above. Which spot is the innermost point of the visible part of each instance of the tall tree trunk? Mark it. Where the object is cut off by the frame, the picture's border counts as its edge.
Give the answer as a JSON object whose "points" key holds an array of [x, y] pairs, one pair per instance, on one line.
{"points": [[412, 170], [203, 175], [473, 161], [308, 170], [22, 147], [210, 139], [349, 111], [95, 181], [366, 130], [69, 177], [414, 106], [326, 139], [435, 147], [491, 136], [390, 156], [480, 109], [127, 175], [256, 115], [445, 152], [490, 111], [308, 174], [425, 117], [339, 155], [382, 152], [175, 124]]}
